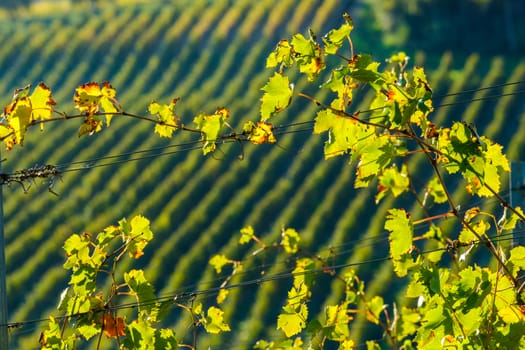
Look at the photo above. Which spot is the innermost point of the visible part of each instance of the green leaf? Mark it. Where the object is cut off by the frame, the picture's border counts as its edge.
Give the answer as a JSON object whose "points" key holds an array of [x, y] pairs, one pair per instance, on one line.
{"points": [[139, 236], [140, 334], [436, 190], [510, 223], [293, 320], [210, 126], [281, 54], [277, 96], [337, 321], [143, 292], [215, 321], [393, 181], [344, 134], [165, 340], [467, 236], [401, 232], [166, 117], [517, 259], [335, 38], [290, 240], [376, 153], [308, 55], [375, 307], [408, 323]]}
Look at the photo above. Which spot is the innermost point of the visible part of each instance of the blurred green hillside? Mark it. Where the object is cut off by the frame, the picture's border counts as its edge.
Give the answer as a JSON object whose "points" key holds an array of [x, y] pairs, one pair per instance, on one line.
{"points": [[210, 54]]}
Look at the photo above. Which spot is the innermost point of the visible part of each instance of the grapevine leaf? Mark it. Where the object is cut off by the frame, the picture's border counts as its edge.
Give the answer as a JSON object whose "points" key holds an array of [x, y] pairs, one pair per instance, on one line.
{"points": [[215, 321], [394, 181], [401, 232], [375, 306], [277, 96], [165, 339], [219, 261], [210, 125], [247, 234], [166, 117], [138, 236], [90, 125], [105, 237], [341, 83], [282, 54], [517, 259], [290, 240], [89, 330], [344, 134], [7, 135], [293, 320], [408, 323], [510, 223], [113, 328], [335, 38], [140, 334], [337, 320], [375, 153], [511, 314], [18, 115], [91, 96], [42, 103], [467, 236], [259, 133], [221, 297], [143, 292], [307, 54], [436, 190]]}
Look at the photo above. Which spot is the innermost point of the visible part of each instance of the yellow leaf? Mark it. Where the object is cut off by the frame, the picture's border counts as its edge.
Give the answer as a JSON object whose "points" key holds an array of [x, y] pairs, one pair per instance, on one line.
{"points": [[223, 294], [19, 117], [42, 103], [90, 97], [260, 133]]}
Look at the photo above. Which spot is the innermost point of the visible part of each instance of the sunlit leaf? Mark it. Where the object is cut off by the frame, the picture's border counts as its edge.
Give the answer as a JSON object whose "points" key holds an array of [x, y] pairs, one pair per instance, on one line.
{"points": [[91, 97], [277, 96], [42, 103], [210, 126], [219, 261], [308, 55], [19, 116], [436, 190], [281, 55], [293, 320], [221, 297], [247, 234], [166, 117], [138, 236], [335, 38], [375, 307], [393, 181], [510, 223], [215, 321], [290, 240], [259, 133], [143, 291]]}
